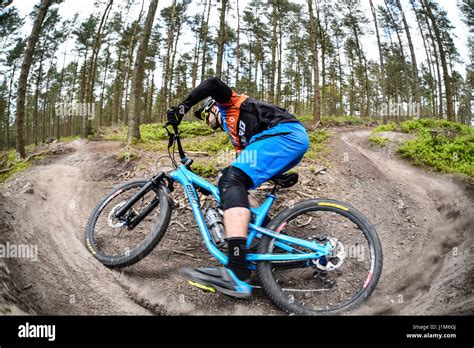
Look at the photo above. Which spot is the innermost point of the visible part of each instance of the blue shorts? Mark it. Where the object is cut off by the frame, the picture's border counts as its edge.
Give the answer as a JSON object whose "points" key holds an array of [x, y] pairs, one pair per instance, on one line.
{"points": [[273, 152]]}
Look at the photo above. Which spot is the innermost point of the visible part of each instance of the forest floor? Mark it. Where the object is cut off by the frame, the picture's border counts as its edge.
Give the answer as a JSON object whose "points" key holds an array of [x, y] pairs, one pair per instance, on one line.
{"points": [[425, 222]]}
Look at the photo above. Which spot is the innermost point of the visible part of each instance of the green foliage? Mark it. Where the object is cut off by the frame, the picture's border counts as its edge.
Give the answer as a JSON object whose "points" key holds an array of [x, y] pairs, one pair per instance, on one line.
{"points": [[211, 144], [389, 127], [380, 141], [318, 140], [194, 129], [305, 118], [415, 126], [69, 138], [336, 121], [205, 170], [453, 154], [332, 121], [318, 136], [17, 165], [127, 155], [196, 136], [155, 131], [115, 134]]}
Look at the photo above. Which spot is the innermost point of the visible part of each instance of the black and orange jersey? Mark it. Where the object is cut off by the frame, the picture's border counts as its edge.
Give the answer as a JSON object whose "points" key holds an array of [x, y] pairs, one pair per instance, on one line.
{"points": [[242, 116]]}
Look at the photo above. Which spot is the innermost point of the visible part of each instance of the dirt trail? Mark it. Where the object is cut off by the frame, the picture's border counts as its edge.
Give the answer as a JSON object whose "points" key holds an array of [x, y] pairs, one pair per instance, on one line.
{"points": [[428, 266], [65, 279], [422, 219]]}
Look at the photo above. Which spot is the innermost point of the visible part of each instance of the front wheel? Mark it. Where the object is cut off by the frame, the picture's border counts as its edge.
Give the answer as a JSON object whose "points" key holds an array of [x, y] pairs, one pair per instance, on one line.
{"points": [[114, 243], [332, 284]]}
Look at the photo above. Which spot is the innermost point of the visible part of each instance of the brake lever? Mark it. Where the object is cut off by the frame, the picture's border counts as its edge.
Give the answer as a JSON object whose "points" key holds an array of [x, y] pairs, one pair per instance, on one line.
{"points": [[170, 136]]}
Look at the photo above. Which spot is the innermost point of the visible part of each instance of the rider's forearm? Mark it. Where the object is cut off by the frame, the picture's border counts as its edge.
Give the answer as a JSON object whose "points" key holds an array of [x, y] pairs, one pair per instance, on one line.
{"points": [[212, 87]]}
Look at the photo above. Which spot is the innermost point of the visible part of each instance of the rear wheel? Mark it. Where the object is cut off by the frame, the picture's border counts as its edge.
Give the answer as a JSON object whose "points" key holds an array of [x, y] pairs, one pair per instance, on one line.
{"points": [[330, 284], [111, 241]]}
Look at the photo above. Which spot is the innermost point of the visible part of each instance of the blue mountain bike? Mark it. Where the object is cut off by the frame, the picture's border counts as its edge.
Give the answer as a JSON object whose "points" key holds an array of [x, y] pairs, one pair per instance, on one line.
{"points": [[318, 256]]}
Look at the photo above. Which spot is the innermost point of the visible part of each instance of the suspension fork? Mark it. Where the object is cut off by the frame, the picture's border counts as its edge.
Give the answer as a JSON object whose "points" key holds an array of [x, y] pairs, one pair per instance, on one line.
{"points": [[154, 185]]}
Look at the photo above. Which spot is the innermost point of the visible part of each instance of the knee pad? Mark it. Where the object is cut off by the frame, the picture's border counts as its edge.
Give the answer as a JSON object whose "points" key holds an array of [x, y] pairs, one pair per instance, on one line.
{"points": [[233, 186]]}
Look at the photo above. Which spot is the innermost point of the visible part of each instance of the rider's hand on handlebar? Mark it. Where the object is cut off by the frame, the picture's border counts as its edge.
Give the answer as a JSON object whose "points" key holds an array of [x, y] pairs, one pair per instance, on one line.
{"points": [[175, 114]]}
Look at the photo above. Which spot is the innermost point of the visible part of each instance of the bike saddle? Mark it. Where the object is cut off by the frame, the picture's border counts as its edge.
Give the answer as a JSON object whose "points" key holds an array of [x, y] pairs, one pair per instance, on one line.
{"points": [[285, 180]]}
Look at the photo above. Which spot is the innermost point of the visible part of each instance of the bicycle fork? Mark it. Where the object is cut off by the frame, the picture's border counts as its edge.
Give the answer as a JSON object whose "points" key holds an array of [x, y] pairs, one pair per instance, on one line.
{"points": [[154, 185]]}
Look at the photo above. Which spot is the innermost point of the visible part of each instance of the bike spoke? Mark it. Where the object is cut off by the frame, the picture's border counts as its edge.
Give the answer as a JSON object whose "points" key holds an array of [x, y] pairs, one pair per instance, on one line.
{"points": [[306, 290], [338, 284], [350, 282], [358, 265]]}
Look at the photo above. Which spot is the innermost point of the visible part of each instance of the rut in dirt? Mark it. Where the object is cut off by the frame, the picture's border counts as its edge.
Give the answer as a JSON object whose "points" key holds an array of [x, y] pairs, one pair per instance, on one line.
{"points": [[422, 220]]}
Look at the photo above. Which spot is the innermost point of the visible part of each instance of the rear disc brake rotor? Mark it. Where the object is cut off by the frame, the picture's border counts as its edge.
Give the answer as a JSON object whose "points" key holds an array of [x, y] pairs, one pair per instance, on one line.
{"points": [[335, 257]]}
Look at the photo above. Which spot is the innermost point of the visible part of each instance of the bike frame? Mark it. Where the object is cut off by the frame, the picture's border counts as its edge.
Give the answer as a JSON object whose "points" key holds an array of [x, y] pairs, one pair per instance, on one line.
{"points": [[190, 180]]}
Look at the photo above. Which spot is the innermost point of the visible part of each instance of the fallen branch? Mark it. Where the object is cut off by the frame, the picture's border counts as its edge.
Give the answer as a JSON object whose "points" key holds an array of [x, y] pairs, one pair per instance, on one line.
{"points": [[185, 254], [180, 224], [304, 194], [198, 153], [24, 161]]}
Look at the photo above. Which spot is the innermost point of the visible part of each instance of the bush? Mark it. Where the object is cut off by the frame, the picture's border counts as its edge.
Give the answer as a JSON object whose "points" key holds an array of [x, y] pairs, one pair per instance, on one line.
{"points": [[331, 121], [454, 154], [415, 126], [126, 155], [390, 127], [211, 144], [380, 141], [205, 170], [318, 140], [156, 131], [16, 165]]}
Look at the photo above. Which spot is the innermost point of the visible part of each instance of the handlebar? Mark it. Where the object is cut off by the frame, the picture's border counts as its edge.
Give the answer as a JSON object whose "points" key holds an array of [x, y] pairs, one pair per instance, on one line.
{"points": [[174, 137]]}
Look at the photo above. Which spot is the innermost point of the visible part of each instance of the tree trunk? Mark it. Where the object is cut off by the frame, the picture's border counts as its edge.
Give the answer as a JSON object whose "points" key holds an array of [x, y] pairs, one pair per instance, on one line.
{"points": [[237, 50], [25, 69], [37, 93], [323, 60], [100, 119], [434, 45], [444, 64], [221, 37], [274, 21], [279, 69], [204, 46], [413, 56], [10, 90], [400, 43], [167, 72], [315, 62], [138, 73], [173, 58], [128, 62], [382, 65], [197, 47], [428, 59], [95, 53]]}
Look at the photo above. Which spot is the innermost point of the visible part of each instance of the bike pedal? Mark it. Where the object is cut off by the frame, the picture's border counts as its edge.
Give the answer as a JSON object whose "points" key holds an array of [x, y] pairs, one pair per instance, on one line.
{"points": [[202, 286]]}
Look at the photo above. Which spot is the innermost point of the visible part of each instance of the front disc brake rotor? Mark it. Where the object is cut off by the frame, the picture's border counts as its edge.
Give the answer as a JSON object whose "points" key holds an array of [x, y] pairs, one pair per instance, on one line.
{"points": [[112, 219]]}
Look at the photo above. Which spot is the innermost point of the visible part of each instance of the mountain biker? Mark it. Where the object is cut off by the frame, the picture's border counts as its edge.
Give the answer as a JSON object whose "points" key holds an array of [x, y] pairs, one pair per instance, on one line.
{"points": [[258, 130]]}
